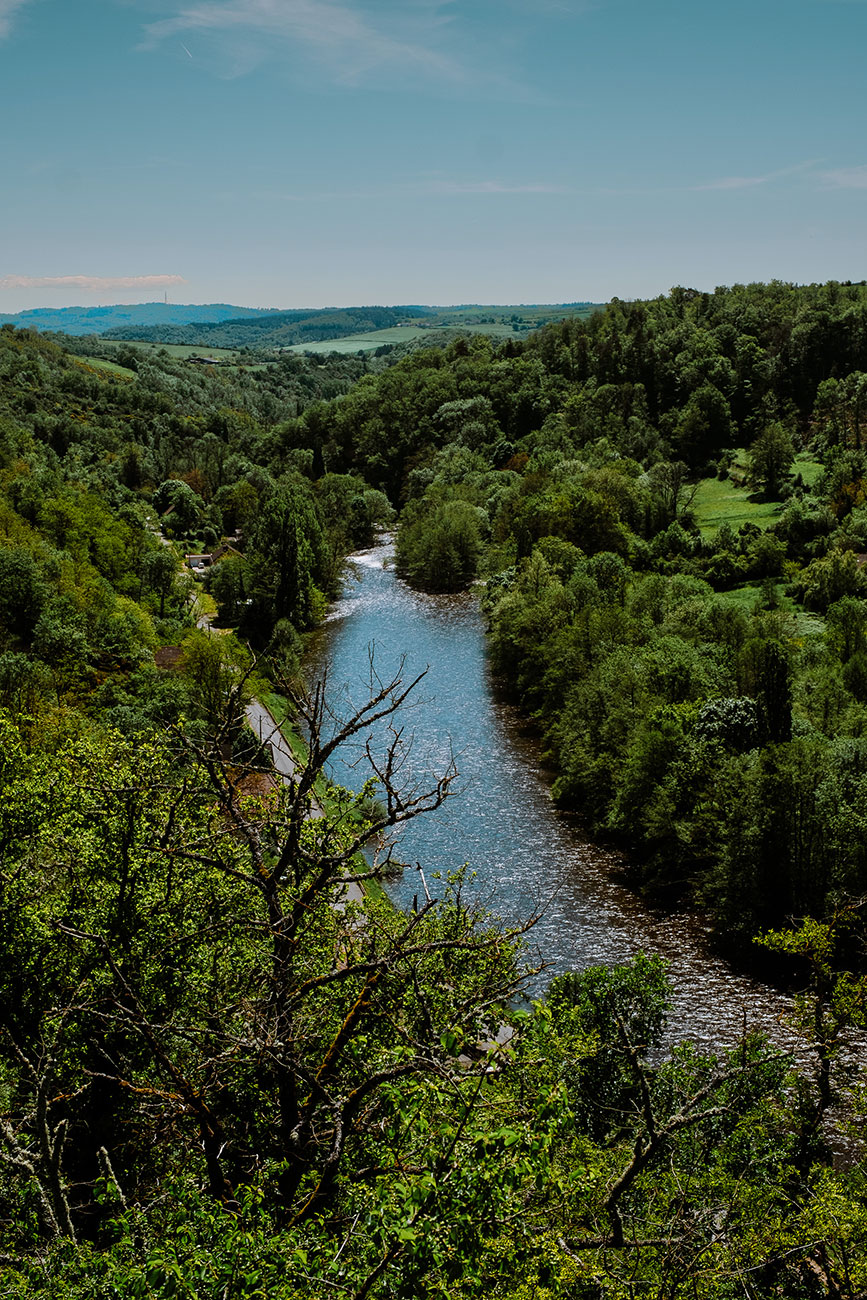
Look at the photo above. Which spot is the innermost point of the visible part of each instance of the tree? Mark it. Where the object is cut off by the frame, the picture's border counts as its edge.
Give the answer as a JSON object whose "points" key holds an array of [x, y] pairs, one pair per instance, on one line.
{"points": [[439, 545], [228, 584], [704, 426], [60, 640], [846, 628], [668, 1215], [669, 483], [840, 409], [159, 572], [23, 591], [771, 457], [184, 507], [288, 556], [833, 578], [230, 996], [216, 668], [834, 999]]}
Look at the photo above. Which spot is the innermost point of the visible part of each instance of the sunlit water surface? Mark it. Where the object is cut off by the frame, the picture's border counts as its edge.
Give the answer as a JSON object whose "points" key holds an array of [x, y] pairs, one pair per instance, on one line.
{"points": [[526, 854]]}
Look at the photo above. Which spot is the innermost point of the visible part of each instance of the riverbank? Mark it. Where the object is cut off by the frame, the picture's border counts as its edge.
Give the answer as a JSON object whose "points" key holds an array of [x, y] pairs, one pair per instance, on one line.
{"points": [[524, 854]]}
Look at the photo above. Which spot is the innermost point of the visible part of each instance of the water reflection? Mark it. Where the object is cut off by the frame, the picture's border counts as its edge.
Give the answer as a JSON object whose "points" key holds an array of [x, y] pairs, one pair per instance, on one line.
{"points": [[526, 855]]}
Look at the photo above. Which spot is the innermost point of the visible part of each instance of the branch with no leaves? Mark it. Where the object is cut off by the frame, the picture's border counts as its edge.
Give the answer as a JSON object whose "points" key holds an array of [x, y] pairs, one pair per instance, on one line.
{"points": [[650, 1140], [44, 1165]]}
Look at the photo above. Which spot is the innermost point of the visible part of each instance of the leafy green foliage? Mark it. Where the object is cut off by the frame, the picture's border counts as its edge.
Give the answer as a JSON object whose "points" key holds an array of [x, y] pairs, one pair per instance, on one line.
{"points": [[221, 1072]]}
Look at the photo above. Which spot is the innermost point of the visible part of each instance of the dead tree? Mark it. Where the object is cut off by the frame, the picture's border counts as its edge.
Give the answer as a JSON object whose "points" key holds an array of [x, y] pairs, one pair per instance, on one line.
{"points": [[260, 1015]]}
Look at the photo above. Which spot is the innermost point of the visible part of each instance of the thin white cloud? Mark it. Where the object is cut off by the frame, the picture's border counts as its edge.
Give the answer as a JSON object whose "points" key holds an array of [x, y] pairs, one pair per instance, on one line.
{"points": [[491, 187], [8, 9], [749, 182], [734, 183], [847, 178], [90, 283], [335, 33], [427, 187]]}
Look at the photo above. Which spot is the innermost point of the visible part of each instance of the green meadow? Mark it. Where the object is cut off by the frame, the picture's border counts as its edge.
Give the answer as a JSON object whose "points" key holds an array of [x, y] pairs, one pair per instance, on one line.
{"points": [[110, 367], [497, 322], [180, 351], [748, 596], [722, 501], [809, 469], [362, 342], [728, 501]]}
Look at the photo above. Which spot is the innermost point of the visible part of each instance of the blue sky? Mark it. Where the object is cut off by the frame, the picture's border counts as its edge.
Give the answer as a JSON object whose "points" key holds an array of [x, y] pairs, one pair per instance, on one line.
{"points": [[331, 152]]}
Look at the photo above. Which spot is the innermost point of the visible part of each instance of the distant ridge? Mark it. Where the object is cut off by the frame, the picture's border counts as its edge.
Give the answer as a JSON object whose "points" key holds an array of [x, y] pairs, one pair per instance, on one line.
{"points": [[143, 315], [270, 329], [222, 325]]}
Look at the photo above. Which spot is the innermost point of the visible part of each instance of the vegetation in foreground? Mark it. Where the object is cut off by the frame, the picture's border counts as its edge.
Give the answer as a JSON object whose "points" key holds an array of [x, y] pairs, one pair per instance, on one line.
{"points": [[220, 1076]]}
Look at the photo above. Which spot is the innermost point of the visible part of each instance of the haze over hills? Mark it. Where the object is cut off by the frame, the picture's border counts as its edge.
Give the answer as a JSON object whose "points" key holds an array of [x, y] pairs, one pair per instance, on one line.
{"points": [[352, 327], [97, 320], [345, 329], [273, 329]]}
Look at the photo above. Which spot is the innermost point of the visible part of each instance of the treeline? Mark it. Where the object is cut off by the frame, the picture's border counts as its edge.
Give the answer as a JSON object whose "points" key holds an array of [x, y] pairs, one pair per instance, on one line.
{"points": [[271, 329], [700, 689], [96, 320], [221, 1073], [682, 377], [111, 470]]}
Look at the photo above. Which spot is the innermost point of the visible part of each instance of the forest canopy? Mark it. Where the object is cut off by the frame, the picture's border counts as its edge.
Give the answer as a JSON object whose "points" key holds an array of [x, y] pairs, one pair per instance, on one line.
{"points": [[229, 1065]]}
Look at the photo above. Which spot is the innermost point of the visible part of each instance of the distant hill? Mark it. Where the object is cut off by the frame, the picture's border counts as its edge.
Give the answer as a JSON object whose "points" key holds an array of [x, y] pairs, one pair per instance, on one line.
{"points": [[274, 329], [221, 325], [135, 316], [347, 327]]}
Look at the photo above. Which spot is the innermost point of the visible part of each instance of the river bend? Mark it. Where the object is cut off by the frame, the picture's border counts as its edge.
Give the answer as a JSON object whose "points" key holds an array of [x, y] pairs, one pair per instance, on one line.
{"points": [[526, 854]]}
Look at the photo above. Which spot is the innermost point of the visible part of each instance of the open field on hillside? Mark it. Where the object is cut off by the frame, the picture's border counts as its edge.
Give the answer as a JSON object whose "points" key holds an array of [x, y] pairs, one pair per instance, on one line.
{"points": [[722, 501], [99, 363], [368, 342], [180, 351], [495, 321], [467, 324], [748, 596], [728, 501], [401, 334], [810, 470]]}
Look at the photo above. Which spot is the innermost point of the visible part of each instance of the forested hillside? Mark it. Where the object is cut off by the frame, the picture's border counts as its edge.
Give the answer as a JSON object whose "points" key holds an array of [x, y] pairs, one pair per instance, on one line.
{"points": [[271, 330], [668, 501], [346, 327], [228, 1065], [96, 320]]}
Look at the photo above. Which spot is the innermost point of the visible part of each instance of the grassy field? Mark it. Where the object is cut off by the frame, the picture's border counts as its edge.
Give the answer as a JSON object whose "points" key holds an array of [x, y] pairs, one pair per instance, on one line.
{"points": [[497, 322], [181, 351], [362, 342], [746, 597], [728, 501], [403, 334], [504, 317], [810, 470], [97, 363], [721, 501]]}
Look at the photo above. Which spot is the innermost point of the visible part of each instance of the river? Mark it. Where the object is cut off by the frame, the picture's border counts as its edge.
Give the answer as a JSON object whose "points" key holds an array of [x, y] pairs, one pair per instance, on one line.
{"points": [[526, 854]]}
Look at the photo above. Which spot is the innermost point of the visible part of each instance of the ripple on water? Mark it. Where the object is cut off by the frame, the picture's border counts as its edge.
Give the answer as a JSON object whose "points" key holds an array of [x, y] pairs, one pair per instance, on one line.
{"points": [[526, 854]]}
